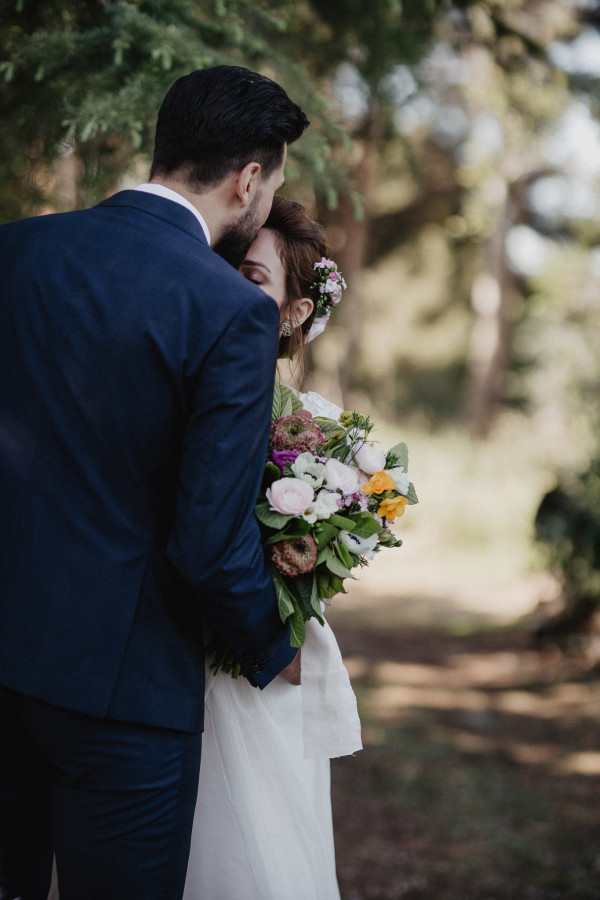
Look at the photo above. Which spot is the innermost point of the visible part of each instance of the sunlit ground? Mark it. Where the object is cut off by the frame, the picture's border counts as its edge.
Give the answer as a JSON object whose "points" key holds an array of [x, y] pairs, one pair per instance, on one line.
{"points": [[480, 776]]}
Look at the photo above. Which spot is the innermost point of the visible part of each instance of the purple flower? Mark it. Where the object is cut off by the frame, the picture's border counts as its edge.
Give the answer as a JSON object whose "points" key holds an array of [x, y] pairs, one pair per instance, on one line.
{"points": [[282, 457]]}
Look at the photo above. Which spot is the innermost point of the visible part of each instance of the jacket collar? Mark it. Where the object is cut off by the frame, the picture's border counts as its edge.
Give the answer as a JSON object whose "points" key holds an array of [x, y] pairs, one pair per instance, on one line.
{"points": [[164, 209]]}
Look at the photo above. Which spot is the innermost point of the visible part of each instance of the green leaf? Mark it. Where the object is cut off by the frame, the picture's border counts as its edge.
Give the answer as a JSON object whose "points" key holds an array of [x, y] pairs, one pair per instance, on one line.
{"points": [[336, 567], [342, 522], [344, 555], [276, 408], [299, 528], [325, 554], [337, 586], [285, 601], [324, 578], [323, 532], [315, 600], [271, 473], [303, 589], [411, 495], [297, 629], [400, 451], [285, 402], [365, 525], [330, 428], [269, 518]]}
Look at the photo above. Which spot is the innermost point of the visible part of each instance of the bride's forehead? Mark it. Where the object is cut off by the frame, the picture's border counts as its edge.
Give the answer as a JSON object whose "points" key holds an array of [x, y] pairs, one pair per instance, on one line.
{"points": [[264, 249]]}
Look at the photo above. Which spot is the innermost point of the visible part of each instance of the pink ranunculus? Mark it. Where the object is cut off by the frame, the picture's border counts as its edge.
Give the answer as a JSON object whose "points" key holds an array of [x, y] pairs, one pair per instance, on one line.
{"points": [[290, 496]]}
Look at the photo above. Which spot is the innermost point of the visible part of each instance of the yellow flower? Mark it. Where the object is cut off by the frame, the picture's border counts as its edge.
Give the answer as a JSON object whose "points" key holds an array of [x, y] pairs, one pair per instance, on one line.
{"points": [[378, 483], [392, 507]]}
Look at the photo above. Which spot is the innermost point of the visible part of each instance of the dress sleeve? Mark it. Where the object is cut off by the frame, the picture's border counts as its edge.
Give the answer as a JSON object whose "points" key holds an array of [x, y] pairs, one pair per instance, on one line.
{"points": [[320, 406], [215, 541]]}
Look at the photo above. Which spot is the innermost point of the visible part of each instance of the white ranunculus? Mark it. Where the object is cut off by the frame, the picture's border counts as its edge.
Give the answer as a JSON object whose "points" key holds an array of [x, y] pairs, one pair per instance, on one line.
{"points": [[340, 477], [400, 479], [359, 546], [306, 468], [369, 459], [290, 496]]}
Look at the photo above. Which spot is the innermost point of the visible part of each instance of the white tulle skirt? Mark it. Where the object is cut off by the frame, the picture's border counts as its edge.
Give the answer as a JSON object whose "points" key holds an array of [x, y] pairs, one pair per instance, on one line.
{"points": [[263, 827]]}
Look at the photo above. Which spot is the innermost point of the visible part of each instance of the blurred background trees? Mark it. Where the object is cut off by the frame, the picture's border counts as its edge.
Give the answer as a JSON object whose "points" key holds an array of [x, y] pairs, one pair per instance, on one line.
{"points": [[454, 156]]}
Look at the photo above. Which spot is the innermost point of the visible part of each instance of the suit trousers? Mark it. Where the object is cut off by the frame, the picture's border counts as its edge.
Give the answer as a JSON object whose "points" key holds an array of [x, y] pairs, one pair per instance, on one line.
{"points": [[113, 800]]}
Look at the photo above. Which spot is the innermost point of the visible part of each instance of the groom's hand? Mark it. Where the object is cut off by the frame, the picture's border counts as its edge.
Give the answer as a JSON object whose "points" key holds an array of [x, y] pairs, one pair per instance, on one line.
{"points": [[291, 672]]}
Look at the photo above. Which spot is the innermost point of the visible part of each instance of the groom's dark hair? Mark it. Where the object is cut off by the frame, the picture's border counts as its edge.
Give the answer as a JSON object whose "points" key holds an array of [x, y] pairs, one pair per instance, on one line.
{"points": [[214, 121]]}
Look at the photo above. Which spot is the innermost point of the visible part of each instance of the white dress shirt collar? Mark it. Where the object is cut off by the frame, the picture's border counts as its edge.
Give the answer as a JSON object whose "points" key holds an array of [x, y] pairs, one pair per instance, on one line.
{"points": [[161, 191]]}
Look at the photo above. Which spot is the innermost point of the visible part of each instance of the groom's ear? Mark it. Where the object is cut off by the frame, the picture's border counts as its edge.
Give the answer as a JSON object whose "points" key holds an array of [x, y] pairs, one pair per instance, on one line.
{"points": [[246, 183]]}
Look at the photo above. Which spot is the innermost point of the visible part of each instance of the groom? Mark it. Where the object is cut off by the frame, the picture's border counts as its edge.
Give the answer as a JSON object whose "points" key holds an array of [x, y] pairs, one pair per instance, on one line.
{"points": [[136, 379]]}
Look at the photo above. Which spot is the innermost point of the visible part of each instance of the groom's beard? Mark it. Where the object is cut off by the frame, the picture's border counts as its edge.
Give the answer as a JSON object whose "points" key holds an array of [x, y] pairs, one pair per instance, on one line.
{"points": [[234, 243]]}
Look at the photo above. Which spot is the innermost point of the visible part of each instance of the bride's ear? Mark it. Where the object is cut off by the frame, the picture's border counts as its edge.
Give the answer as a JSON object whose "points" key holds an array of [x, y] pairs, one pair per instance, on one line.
{"points": [[302, 310]]}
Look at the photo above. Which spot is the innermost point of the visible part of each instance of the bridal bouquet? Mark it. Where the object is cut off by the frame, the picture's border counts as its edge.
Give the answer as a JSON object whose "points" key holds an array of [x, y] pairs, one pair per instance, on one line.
{"points": [[327, 500]]}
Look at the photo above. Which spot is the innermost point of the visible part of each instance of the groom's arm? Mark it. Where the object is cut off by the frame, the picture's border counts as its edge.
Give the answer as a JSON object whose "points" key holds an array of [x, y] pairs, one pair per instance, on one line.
{"points": [[215, 542]]}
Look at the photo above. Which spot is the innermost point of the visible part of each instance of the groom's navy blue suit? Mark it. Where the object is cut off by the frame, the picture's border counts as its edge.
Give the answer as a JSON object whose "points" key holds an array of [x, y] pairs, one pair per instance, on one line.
{"points": [[136, 373]]}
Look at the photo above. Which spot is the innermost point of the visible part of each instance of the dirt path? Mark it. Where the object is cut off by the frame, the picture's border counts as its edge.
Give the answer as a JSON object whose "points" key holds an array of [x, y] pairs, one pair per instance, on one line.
{"points": [[480, 777]]}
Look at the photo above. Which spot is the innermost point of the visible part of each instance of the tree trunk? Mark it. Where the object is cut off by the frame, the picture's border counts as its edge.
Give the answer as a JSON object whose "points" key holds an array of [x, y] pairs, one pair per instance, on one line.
{"points": [[492, 299]]}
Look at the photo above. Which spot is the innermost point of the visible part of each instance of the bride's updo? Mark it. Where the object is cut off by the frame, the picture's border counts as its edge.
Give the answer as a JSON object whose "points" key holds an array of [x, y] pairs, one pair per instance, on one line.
{"points": [[300, 243]]}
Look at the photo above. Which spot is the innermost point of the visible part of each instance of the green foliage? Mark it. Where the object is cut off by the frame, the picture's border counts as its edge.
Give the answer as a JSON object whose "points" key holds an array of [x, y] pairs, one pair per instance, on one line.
{"points": [[568, 527], [89, 76], [285, 402]]}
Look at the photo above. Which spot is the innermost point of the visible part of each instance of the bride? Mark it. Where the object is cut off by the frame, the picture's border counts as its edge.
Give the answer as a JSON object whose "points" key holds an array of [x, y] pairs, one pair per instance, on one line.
{"points": [[263, 827]]}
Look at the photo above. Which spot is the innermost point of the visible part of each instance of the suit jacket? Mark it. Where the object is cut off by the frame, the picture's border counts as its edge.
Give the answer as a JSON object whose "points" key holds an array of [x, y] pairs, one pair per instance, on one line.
{"points": [[136, 378]]}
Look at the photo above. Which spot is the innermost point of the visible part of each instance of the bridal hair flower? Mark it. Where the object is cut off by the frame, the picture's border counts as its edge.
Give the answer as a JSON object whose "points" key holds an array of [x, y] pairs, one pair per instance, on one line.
{"points": [[328, 286]]}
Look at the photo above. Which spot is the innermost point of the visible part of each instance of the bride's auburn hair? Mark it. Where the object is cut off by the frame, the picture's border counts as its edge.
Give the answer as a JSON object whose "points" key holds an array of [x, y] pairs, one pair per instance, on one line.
{"points": [[300, 243]]}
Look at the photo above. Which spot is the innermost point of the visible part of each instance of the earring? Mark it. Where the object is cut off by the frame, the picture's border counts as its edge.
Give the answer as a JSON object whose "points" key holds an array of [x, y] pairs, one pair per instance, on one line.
{"points": [[285, 330]]}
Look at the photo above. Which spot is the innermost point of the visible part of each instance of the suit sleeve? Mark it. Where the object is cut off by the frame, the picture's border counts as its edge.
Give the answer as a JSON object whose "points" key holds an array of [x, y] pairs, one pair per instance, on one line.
{"points": [[215, 542]]}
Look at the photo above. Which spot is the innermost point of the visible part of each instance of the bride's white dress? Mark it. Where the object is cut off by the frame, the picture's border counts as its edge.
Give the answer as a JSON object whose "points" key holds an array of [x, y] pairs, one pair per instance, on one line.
{"points": [[263, 827]]}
